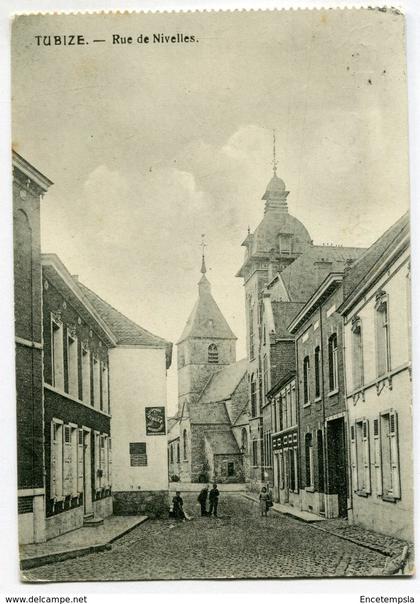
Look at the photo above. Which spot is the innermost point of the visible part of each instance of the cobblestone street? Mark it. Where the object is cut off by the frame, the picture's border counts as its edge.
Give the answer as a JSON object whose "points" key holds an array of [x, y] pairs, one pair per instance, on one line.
{"points": [[238, 544]]}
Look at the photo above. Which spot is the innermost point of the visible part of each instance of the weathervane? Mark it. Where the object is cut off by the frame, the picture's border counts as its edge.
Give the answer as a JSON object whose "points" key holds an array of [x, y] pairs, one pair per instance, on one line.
{"points": [[274, 154]]}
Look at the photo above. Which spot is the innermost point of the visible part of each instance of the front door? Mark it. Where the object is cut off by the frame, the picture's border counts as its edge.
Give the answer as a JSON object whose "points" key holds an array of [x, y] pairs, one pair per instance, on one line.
{"points": [[87, 473], [337, 469]]}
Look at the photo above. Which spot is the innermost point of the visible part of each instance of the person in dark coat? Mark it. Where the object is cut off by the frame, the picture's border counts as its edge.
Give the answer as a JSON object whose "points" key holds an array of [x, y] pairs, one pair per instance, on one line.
{"points": [[214, 500], [202, 500], [178, 506]]}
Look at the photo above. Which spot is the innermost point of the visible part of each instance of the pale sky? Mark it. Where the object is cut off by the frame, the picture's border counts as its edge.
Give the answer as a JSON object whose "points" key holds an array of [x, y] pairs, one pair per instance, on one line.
{"points": [[151, 146]]}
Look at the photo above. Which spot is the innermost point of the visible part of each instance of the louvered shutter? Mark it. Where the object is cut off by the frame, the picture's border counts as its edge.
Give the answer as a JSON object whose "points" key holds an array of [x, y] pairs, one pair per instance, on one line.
{"points": [[96, 454], [67, 469], [102, 476], [377, 456], [353, 456], [80, 461], [109, 462], [395, 465], [366, 455], [281, 465], [53, 475]]}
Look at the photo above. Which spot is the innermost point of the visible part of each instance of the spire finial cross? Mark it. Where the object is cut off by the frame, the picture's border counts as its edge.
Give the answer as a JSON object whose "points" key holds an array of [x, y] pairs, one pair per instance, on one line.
{"points": [[274, 154], [203, 246]]}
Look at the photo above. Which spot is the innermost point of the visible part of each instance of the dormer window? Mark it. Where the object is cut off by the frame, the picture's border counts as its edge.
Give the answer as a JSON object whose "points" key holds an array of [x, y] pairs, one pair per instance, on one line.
{"points": [[213, 354]]}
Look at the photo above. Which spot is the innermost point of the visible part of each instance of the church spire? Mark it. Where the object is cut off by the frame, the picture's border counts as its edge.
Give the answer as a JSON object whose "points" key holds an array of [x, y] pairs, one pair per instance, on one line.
{"points": [[274, 154], [275, 195], [203, 284]]}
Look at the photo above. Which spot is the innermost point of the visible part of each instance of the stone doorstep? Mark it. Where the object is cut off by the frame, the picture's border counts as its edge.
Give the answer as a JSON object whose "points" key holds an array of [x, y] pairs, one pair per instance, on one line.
{"points": [[291, 511], [51, 551]]}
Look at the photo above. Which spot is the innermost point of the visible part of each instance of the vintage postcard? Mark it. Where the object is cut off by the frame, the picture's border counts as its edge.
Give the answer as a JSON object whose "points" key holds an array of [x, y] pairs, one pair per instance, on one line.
{"points": [[212, 295]]}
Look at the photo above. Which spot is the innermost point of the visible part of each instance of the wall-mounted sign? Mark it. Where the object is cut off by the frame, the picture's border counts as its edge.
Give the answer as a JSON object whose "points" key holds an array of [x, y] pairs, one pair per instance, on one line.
{"points": [[155, 420]]}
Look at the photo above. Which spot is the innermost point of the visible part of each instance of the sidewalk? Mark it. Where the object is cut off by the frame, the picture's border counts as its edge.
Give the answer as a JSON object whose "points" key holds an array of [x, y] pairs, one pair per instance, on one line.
{"points": [[79, 542], [288, 510]]}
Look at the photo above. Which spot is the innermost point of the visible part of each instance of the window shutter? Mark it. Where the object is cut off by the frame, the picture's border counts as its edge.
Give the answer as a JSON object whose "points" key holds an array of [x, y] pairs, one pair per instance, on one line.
{"points": [[67, 469], [353, 455], [96, 453], [53, 482], [377, 456], [395, 466], [365, 440], [80, 461], [281, 465], [109, 462]]}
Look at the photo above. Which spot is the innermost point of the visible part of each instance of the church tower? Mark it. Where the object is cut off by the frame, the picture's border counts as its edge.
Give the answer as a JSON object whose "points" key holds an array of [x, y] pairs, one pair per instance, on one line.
{"points": [[206, 345]]}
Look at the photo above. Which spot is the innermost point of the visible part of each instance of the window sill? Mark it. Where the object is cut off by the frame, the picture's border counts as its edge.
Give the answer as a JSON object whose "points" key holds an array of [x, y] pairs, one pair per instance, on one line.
{"points": [[306, 404], [362, 493], [333, 392], [310, 489], [389, 498], [318, 399]]}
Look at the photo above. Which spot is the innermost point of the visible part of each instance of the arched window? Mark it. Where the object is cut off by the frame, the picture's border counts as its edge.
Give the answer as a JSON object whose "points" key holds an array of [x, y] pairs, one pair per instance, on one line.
{"points": [[333, 362], [253, 396], [244, 441], [184, 444], [317, 372], [213, 354], [306, 380]]}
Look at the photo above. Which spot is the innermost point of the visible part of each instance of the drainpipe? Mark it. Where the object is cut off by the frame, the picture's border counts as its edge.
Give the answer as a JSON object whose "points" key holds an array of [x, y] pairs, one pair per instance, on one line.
{"points": [[324, 427], [346, 418], [297, 392]]}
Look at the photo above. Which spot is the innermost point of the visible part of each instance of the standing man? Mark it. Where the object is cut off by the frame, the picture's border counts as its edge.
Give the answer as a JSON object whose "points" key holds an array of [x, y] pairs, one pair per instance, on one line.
{"points": [[214, 500], [202, 500]]}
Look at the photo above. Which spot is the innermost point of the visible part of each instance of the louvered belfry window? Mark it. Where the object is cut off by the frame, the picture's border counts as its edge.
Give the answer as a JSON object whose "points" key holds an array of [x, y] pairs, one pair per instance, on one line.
{"points": [[213, 354]]}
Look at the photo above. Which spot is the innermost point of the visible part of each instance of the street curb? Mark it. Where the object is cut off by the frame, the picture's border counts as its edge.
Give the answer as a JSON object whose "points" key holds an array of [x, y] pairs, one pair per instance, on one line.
{"points": [[43, 559]]}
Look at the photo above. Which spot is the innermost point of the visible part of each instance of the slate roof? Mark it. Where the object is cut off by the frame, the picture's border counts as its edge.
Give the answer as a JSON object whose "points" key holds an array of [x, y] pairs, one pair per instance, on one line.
{"points": [[357, 273], [206, 319], [224, 382], [222, 443], [283, 313], [210, 413], [300, 278], [126, 331]]}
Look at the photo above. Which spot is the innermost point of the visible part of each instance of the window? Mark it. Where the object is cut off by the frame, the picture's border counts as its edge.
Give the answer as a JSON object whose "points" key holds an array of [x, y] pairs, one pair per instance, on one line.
{"points": [[57, 353], [251, 331], [333, 362], [382, 334], [185, 444], [268, 453], [292, 469], [244, 441], [254, 453], [360, 456], [317, 372], [293, 406], [105, 405], [357, 352], [74, 462], [285, 243], [213, 354], [178, 453], [253, 396], [231, 468], [72, 363], [288, 408], [389, 455], [309, 461], [266, 377], [306, 380], [109, 477], [138, 455], [56, 486], [171, 453], [96, 382], [86, 394]]}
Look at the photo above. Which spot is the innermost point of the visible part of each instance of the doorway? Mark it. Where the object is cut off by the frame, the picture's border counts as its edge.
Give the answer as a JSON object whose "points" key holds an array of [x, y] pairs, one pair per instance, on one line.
{"points": [[337, 469]]}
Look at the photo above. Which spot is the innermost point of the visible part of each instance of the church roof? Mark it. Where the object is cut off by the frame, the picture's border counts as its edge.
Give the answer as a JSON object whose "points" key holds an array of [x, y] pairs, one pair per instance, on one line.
{"points": [[210, 413], [283, 313], [300, 278], [206, 319], [125, 330], [222, 443], [223, 383]]}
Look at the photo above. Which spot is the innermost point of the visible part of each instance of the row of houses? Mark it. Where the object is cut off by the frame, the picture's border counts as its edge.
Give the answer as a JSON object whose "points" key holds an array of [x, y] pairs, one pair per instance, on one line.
{"points": [[91, 391], [329, 370]]}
